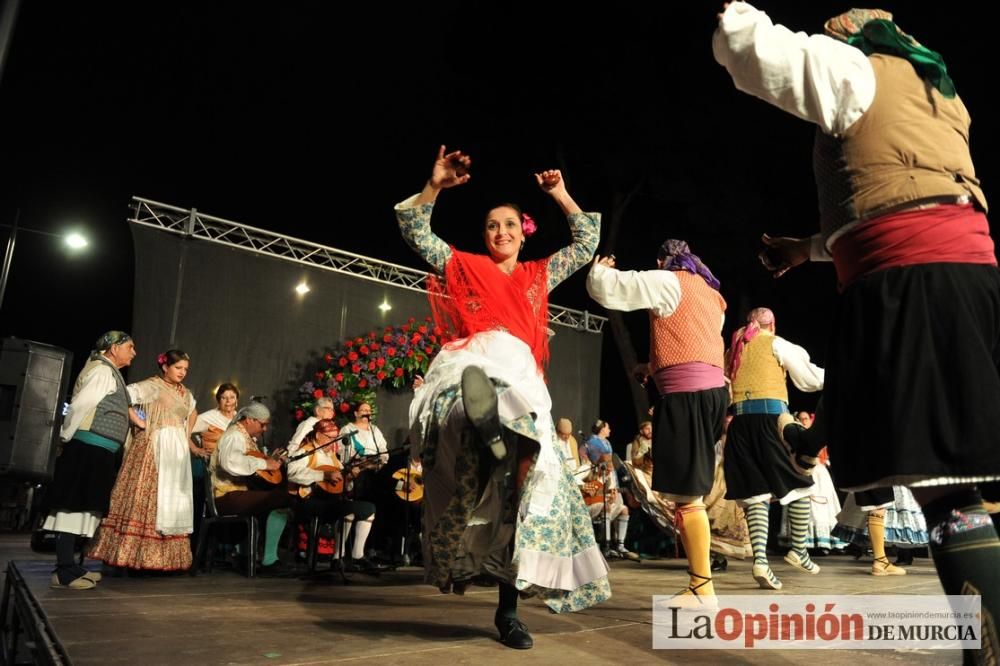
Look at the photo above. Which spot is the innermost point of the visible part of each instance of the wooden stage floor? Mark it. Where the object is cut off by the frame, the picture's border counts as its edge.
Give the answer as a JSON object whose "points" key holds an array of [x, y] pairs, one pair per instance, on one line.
{"points": [[224, 618]]}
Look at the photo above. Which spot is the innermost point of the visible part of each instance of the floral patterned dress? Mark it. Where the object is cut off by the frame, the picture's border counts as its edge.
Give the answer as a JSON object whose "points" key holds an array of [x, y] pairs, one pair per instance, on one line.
{"points": [[541, 541], [151, 517]]}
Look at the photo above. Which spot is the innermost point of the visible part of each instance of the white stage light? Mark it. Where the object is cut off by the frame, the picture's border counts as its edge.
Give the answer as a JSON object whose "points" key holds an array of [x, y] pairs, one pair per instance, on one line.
{"points": [[76, 241]]}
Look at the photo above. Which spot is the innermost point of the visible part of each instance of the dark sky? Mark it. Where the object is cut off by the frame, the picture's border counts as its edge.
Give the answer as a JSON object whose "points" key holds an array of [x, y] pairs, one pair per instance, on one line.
{"points": [[312, 119]]}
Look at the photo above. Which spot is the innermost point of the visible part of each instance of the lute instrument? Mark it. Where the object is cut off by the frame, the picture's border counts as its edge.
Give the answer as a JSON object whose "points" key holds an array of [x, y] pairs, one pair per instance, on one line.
{"points": [[412, 478], [269, 477]]}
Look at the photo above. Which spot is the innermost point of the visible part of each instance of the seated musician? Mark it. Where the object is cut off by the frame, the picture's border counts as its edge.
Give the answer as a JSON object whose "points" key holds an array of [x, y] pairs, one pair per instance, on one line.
{"points": [[597, 450], [318, 480], [235, 459], [639, 450], [323, 409], [368, 441], [566, 443]]}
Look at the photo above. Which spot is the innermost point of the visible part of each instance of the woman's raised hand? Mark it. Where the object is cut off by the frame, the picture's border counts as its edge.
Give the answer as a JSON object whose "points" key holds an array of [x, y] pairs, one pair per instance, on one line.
{"points": [[450, 169], [551, 182]]}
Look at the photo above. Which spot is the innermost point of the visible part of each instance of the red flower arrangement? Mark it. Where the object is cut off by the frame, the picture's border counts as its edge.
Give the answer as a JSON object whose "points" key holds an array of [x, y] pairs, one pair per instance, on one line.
{"points": [[351, 373]]}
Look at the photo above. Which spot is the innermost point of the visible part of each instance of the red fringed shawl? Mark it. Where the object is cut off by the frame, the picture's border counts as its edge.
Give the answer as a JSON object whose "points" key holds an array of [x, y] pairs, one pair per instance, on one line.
{"points": [[475, 295]]}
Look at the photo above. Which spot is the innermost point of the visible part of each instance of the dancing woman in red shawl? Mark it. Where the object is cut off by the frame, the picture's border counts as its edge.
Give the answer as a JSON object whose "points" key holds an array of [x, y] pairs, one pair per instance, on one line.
{"points": [[498, 500]]}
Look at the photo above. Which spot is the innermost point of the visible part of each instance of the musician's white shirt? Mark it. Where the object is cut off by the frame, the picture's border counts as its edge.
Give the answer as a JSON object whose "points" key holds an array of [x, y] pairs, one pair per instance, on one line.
{"points": [[370, 441], [300, 472], [232, 457]]}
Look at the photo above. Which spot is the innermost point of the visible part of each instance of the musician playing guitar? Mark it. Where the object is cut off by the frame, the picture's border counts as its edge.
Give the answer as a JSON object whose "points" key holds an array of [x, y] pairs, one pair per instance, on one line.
{"points": [[318, 478], [236, 459], [603, 487], [366, 441]]}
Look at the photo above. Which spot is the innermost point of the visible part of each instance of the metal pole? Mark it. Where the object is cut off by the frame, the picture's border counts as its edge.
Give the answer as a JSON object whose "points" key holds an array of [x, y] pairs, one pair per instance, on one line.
{"points": [[188, 230], [8, 256]]}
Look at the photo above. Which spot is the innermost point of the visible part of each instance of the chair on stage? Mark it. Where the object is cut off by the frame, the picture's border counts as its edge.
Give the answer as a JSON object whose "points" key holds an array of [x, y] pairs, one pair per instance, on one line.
{"points": [[206, 542], [336, 564]]}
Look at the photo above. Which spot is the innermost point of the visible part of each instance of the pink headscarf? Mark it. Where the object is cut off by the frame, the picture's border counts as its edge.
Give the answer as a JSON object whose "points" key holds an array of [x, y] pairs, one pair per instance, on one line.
{"points": [[757, 319]]}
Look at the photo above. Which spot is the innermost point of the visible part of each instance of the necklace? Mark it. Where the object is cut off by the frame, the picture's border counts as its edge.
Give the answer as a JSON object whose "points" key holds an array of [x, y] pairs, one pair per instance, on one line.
{"points": [[178, 388]]}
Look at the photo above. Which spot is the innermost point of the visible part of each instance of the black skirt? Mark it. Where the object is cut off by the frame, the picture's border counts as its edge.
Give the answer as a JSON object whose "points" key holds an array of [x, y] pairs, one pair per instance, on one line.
{"points": [[686, 427], [874, 497], [83, 480], [755, 462], [912, 385]]}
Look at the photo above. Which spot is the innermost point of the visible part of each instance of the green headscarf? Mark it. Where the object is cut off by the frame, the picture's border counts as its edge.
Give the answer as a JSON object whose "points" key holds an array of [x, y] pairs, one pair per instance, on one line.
{"points": [[110, 338], [873, 31]]}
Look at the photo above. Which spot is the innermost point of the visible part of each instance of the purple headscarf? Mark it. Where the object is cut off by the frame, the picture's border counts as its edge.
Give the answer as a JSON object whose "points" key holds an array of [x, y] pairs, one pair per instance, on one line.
{"points": [[677, 256]]}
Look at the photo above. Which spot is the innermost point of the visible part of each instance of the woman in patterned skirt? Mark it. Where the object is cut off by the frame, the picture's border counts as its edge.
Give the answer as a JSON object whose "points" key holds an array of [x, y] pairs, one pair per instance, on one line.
{"points": [[151, 518], [498, 500]]}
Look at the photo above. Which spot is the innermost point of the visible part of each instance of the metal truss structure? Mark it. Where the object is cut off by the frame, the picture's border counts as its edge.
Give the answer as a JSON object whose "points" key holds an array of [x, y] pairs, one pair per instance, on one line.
{"points": [[193, 224]]}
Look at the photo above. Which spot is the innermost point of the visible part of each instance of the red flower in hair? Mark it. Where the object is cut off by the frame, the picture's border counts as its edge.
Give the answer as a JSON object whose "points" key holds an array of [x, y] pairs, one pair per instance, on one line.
{"points": [[528, 225], [161, 359]]}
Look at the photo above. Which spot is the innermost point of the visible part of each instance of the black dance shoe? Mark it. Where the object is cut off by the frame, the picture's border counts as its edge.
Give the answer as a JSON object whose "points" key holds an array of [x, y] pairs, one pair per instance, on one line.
{"points": [[789, 432], [276, 569], [364, 565], [513, 633], [719, 563], [480, 401]]}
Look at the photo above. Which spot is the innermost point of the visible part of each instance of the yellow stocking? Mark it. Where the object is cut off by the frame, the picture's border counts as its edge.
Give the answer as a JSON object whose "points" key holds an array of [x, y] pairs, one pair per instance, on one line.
{"points": [[697, 539], [876, 532]]}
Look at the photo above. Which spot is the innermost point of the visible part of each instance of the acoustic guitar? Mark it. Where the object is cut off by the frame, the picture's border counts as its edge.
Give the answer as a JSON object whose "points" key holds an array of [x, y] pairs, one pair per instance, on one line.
{"points": [[210, 438], [415, 480], [337, 487], [331, 487], [269, 478], [593, 492]]}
